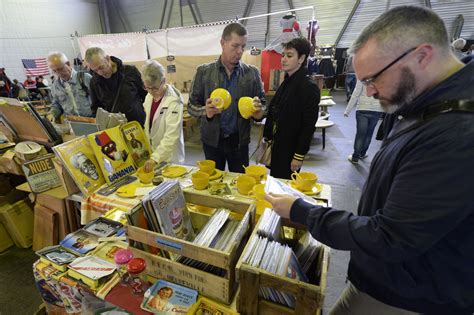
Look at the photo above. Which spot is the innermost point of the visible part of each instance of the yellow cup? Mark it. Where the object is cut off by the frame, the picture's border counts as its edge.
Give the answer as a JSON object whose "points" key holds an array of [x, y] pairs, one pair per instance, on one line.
{"points": [[261, 205], [200, 180], [258, 192], [256, 171], [221, 98], [246, 107], [144, 177], [245, 184], [304, 181], [206, 166]]}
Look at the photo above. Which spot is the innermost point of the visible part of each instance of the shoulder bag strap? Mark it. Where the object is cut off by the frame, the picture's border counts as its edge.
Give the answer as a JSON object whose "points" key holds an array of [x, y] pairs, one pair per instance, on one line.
{"points": [[464, 106]]}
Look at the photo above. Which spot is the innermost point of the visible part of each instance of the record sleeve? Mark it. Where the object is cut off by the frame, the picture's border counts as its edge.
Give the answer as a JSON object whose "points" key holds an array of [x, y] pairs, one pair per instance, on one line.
{"points": [[170, 208], [80, 161]]}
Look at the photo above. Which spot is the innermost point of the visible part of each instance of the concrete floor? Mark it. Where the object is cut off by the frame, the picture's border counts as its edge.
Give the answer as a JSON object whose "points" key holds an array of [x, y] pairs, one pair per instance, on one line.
{"points": [[18, 294]]}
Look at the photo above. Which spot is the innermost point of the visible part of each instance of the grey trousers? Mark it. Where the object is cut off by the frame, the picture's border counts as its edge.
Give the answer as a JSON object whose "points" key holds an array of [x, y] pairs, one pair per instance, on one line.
{"points": [[355, 302]]}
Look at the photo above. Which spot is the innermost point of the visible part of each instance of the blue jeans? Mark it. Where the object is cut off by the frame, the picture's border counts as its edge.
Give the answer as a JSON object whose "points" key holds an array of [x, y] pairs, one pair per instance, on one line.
{"points": [[350, 84], [230, 151], [366, 122]]}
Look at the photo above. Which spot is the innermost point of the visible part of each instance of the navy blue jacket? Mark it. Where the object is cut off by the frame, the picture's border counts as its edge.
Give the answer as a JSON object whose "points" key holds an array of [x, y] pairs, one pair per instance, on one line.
{"points": [[412, 242]]}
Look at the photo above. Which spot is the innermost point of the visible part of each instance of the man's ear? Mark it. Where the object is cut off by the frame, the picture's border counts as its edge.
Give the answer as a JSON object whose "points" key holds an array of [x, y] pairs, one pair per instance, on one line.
{"points": [[424, 55], [68, 63]]}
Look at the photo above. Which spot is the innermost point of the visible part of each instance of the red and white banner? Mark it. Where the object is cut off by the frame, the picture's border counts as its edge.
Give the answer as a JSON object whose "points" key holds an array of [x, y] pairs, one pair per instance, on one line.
{"points": [[130, 47]]}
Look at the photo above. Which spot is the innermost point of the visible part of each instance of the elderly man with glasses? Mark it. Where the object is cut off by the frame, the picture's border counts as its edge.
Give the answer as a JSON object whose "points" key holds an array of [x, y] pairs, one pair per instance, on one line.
{"points": [[115, 87], [70, 92], [412, 239]]}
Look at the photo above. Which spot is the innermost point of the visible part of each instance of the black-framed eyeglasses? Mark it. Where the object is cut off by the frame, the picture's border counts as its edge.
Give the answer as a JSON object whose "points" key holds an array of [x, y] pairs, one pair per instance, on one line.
{"points": [[372, 79]]}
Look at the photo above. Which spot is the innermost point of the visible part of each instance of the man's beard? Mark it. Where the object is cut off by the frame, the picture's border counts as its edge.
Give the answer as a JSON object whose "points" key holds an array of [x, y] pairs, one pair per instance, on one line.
{"points": [[404, 92]]}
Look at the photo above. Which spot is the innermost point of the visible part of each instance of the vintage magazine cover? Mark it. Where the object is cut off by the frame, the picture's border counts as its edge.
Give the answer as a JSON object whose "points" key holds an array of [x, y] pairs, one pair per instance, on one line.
{"points": [[170, 207], [80, 242], [168, 298], [41, 173], [137, 142], [80, 161], [112, 154]]}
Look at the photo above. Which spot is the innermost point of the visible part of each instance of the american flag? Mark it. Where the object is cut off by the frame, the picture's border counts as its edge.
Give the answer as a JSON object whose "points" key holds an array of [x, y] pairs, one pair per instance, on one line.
{"points": [[37, 66]]}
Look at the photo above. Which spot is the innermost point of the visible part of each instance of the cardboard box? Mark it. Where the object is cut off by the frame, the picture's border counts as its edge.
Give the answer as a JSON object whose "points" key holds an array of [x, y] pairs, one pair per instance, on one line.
{"points": [[218, 288], [8, 164], [18, 220], [5, 239], [57, 205], [12, 196]]}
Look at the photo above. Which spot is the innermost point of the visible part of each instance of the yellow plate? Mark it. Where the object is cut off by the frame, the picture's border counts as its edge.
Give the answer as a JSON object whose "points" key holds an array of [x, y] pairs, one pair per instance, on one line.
{"points": [[216, 174], [314, 191], [127, 191], [174, 171]]}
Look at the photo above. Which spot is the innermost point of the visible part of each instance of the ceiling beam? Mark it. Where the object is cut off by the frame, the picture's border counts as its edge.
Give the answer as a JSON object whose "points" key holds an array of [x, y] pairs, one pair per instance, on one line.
{"points": [[247, 10], [346, 24]]}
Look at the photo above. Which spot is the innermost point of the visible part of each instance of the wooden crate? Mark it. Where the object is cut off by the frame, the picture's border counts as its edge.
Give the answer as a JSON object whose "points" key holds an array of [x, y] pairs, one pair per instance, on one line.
{"points": [[309, 297], [215, 287]]}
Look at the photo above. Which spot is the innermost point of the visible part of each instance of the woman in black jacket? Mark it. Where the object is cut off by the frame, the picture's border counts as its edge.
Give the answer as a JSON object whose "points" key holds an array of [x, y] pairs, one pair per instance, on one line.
{"points": [[293, 111]]}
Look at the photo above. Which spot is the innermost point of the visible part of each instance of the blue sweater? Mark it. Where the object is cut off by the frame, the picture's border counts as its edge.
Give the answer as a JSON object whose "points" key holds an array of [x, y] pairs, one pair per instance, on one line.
{"points": [[412, 242]]}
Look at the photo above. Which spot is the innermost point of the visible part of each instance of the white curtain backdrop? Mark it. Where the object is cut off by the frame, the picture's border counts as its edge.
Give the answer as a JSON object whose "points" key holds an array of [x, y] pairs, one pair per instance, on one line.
{"points": [[203, 40], [156, 42], [130, 47]]}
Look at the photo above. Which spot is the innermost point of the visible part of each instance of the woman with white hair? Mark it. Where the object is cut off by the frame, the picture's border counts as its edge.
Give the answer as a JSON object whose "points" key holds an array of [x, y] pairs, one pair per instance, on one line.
{"points": [[164, 116]]}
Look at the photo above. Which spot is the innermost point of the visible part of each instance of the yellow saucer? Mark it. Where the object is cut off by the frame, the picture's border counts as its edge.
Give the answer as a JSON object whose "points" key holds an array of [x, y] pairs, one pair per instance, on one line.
{"points": [[128, 191], [216, 174], [314, 191], [174, 171]]}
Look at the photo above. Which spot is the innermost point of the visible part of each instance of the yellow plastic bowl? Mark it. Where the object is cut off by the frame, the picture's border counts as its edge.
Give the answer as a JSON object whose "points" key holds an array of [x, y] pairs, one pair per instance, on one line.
{"points": [[221, 98], [246, 108], [145, 178]]}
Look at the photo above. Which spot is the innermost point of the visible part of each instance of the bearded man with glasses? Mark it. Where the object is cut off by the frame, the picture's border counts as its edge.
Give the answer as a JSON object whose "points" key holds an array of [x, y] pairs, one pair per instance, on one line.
{"points": [[412, 239]]}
